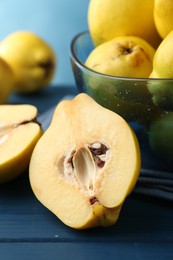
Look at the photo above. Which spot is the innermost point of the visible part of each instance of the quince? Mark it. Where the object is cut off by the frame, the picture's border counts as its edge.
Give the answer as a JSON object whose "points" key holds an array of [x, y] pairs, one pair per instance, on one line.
{"points": [[163, 17], [31, 59], [7, 81], [19, 133], [126, 56], [161, 137], [92, 165], [111, 18], [162, 90]]}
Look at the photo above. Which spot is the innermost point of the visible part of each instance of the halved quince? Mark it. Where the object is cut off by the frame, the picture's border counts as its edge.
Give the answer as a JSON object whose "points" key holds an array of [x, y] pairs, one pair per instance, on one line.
{"points": [[19, 133], [85, 164]]}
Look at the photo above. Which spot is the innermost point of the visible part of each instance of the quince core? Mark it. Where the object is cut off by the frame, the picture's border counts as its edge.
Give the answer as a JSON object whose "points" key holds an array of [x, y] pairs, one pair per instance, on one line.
{"points": [[92, 165]]}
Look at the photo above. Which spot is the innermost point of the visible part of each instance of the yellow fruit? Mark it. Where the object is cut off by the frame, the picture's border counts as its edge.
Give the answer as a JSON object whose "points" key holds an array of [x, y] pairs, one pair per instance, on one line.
{"points": [[161, 137], [7, 81], [127, 56], [163, 16], [19, 133], [108, 19], [31, 59], [92, 164], [163, 59], [162, 90]]}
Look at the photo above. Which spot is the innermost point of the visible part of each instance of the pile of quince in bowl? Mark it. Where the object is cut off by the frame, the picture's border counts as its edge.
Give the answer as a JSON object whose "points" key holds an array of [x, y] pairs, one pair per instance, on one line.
{"points": [[133, 44]]}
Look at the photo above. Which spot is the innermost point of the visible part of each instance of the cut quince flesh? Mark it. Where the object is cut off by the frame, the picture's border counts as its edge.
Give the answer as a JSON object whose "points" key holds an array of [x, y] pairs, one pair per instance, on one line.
{"points": [[85, 164], [19, 133]]}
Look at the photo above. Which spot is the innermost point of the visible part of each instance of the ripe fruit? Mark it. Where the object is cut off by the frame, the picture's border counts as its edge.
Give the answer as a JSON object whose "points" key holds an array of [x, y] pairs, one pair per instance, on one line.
{"points": [[162, 90], [163, 59], [31, 59], [92, 165], [108, 19], [19, 133], [163, 16], [161, 137], [127, 56], [6, 81]]}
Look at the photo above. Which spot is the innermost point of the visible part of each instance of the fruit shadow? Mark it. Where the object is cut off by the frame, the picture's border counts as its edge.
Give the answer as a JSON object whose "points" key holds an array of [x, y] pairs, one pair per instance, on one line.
{"points": [[18, 187]]}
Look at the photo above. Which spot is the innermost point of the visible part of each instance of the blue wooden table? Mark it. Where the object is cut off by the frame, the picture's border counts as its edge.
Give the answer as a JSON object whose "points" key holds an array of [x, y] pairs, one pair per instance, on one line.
{"points": [[27, 229]]}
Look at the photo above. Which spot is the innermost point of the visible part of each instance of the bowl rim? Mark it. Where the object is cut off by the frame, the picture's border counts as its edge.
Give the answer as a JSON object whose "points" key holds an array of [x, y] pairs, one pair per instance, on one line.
{"points": [[83, 67]]}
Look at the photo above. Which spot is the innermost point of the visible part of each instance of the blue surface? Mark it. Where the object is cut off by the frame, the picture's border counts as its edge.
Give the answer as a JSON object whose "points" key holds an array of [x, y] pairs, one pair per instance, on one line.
{"points": [[27, 229]]}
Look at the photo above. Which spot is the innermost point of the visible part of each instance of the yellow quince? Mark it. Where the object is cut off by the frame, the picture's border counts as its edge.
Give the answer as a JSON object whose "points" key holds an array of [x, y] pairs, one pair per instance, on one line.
{"points": [[32, 60], [163, 17], [108, 19]]}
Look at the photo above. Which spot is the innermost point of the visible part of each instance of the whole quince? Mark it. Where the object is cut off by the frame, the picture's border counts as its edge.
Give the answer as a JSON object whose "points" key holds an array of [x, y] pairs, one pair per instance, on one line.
{"points": [[112, 18], [32, 60], [126, 56], [162, 90], [161, 137], [163, 17], [6, 81]]}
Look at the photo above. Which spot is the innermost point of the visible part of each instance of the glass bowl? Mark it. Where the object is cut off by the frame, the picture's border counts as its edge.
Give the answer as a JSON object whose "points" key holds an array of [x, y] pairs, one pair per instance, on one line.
{"points": [[146, 104]]}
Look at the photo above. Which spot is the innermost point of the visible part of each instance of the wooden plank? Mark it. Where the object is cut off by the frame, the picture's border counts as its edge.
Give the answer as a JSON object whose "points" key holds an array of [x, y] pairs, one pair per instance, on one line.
{"points": [[23, 218], [86, 251]]}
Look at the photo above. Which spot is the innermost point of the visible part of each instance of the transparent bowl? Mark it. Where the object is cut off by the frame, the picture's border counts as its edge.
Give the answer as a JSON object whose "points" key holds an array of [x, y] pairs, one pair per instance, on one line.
{"points": [[146, 104]]}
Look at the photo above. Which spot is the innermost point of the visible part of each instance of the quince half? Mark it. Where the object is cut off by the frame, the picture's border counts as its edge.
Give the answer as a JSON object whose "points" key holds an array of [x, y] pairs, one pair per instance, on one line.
{"points": [[86, 164], [19, 133]]}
